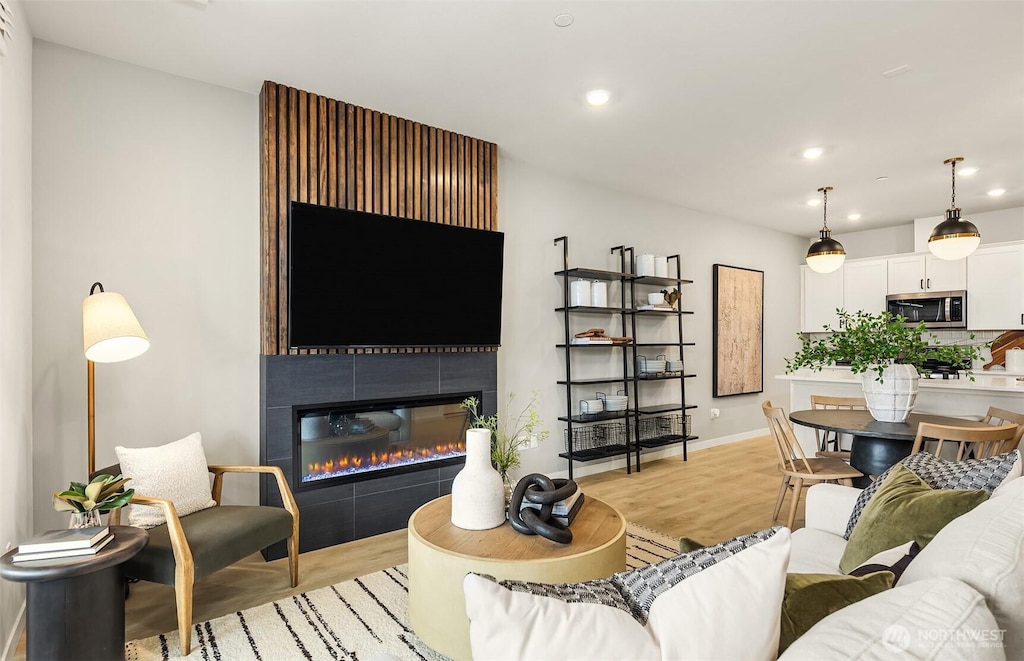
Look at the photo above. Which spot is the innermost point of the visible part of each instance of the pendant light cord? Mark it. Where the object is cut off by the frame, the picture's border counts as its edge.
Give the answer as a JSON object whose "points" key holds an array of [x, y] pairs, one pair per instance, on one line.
{"points": [[825, 209], [952, 203]]}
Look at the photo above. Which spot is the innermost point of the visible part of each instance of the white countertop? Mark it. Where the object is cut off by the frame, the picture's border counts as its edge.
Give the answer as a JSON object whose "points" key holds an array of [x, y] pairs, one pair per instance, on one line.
{"points": [[992, 381]]}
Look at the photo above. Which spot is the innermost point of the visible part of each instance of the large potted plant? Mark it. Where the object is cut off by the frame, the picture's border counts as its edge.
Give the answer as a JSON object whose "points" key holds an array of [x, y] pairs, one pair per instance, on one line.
{"points": [[888, 354]]}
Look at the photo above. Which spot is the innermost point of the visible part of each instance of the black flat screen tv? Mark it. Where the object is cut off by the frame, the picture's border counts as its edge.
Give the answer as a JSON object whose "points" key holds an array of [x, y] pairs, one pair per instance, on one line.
{"points": [[358, 279]]}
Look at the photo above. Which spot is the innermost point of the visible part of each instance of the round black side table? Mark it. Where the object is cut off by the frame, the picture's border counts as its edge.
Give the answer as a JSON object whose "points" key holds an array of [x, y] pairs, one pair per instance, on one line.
{"points": [[75, 606]]}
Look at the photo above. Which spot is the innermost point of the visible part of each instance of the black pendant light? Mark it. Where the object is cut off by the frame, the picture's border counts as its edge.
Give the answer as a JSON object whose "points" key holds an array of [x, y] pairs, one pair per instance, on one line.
{"points": [[955, 237], [826, 254]]}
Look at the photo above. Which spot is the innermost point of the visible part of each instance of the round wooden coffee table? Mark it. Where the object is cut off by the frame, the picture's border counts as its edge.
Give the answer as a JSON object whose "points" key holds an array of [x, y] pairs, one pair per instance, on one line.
{"points": [[440, 556]]}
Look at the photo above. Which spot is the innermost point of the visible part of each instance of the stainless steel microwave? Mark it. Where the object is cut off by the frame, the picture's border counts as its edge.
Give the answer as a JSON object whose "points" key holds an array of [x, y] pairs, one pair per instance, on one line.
{"points": [[937, 309]]}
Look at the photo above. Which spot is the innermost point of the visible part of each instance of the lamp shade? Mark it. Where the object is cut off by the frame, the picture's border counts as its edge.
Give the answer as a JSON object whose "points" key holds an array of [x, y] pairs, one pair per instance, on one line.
{"points": [[110, 330], [954, 238]]}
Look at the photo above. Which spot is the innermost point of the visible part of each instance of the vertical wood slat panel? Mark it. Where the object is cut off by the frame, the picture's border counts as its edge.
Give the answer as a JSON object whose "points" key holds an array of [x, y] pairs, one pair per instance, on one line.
{"points": [[268, 217], [382, 177], [329, 152], [393, 166], [373, 172]]}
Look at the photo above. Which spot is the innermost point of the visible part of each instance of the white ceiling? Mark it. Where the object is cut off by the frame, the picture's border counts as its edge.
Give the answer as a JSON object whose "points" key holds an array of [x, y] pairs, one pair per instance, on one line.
{"points": [[713, 102]]}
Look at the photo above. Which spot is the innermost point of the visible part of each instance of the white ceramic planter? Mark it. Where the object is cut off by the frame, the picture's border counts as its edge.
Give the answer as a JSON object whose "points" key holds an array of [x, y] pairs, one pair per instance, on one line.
{"points": [[478, 494], [892, 398]]}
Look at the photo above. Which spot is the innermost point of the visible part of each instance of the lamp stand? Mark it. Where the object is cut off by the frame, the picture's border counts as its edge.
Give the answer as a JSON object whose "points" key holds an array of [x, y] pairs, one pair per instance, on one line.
{"points": [[91, 370]]}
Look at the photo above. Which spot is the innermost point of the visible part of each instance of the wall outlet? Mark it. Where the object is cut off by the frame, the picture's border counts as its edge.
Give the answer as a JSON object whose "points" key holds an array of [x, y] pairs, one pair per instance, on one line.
{"points": [[716, 413], [533, 442]]}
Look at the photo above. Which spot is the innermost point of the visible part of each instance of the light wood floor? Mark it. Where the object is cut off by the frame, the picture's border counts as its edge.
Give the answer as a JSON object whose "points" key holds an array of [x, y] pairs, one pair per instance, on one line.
{"points": [[719, 493]]}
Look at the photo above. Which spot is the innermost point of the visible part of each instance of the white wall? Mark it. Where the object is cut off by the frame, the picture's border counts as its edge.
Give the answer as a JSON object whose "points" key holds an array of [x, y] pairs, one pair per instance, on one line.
{"points": [[882, 241], [535, 207], [16, 496], [148, 183]]}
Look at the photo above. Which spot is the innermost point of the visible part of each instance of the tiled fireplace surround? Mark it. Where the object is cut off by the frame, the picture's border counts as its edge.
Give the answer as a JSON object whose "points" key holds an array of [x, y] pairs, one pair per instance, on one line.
{"points": [[342, 513]]}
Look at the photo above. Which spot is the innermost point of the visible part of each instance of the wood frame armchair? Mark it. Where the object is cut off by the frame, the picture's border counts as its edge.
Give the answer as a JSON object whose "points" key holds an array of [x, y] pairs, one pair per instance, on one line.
{"points": [[211, 531]]}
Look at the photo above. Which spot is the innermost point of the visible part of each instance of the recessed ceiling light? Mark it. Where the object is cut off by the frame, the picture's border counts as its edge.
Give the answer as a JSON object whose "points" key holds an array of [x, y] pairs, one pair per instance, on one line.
{"points": [[882, 178], [853, 216], [996, 192], [966, 172], [813, 152], [598, 97], [564, 20], [813, 202]]}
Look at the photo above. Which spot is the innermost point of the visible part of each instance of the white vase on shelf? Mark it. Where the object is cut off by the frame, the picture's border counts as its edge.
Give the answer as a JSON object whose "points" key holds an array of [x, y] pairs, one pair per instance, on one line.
{"points": [[478, 494]]}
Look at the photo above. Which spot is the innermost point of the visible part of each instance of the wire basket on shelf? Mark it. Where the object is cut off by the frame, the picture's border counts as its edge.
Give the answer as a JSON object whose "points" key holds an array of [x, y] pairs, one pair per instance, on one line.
{"points": [[596, 441], [663, 430]]}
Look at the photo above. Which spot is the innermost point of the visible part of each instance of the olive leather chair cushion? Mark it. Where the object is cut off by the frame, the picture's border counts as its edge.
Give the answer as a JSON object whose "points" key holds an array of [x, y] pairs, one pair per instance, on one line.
{"points": [[218, 536]]}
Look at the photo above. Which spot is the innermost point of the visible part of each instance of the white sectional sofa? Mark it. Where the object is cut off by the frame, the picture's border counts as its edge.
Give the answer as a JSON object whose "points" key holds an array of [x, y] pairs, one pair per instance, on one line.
{"points": [[962, 597]]}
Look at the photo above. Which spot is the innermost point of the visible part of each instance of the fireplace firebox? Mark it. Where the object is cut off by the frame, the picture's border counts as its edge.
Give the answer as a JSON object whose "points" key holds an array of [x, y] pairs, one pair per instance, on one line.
{"points": [[353, 441]]}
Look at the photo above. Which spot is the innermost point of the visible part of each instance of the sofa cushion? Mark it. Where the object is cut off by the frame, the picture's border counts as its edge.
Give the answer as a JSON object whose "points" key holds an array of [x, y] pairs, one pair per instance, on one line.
{"points": [[689, 606], [938, 618], [810, 598], [176, 471], [985, 549], [986, 474], [904, 509], [816, 552]]}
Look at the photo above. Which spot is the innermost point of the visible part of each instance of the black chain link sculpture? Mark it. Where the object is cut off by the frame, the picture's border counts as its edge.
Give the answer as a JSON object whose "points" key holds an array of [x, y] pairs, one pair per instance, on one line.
{"points": [[540, 490]]}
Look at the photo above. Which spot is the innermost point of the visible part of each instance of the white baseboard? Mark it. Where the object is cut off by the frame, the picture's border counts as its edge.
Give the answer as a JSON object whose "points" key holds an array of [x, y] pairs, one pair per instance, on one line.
{"points": [[12, 640], [583, 470]]}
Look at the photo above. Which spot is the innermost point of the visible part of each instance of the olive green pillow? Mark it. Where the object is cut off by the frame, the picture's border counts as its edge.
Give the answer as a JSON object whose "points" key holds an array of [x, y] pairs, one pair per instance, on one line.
{"points": [[813, 597], [687, 545], [904, 509]]}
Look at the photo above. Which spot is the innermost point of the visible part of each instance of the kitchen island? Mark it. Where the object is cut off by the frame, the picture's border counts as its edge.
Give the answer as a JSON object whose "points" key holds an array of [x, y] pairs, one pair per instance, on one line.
{"points": [[953, 397]]}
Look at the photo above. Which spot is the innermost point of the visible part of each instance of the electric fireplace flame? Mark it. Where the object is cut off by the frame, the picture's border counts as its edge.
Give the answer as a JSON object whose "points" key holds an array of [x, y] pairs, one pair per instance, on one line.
{"points": [[348, 465], [351, 441]]}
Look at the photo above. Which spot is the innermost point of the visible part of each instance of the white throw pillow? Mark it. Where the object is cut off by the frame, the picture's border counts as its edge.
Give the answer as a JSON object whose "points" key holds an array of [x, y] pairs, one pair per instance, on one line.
{"points": [[176, 471], [720, 602], [985, 549], [940, 619]]}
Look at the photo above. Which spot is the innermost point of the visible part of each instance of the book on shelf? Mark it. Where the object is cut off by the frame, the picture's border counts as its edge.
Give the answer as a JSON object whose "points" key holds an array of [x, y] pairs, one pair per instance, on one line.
{"points": [[63, 540], [564, 510], [68, 553], [592, 340]]}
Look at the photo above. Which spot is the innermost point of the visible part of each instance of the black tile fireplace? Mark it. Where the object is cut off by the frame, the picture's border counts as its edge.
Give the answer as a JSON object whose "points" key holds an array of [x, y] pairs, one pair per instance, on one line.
{"points": [[365, 439]]}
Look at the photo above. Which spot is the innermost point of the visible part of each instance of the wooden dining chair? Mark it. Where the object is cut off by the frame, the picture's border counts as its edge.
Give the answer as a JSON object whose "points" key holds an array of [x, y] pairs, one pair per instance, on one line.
{"points": [[794, 465], [835, 404], [1003, 416], [984, 442]]}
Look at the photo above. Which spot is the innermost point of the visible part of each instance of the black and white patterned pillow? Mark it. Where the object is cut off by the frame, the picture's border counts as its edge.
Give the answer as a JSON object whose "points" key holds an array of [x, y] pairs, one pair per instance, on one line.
{"points": [[987, 474], [634, 591]]}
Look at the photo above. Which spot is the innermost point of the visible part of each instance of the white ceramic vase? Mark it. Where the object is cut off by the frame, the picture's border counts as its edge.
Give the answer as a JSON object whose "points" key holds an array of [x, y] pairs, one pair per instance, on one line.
{"points": [[892, 398], [478, 494]]}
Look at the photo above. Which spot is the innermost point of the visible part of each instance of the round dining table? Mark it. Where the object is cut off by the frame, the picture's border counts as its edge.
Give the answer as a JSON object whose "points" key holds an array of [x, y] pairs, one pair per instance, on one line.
{"points": [[876, 445]]}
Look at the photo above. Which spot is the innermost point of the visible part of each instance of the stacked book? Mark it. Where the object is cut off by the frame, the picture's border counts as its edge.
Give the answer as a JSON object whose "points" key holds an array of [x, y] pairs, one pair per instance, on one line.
{"points": [[563, 511], [69, 543]]}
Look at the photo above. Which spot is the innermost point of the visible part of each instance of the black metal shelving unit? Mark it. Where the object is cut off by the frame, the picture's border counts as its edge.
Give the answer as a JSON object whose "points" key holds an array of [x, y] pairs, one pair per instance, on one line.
{"points": [[652, 427], [637, 429], [584, 440]]}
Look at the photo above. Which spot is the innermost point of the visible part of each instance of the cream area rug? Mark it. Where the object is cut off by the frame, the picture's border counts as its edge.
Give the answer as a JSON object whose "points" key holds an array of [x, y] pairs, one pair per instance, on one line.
{"points": [[365, 618]]}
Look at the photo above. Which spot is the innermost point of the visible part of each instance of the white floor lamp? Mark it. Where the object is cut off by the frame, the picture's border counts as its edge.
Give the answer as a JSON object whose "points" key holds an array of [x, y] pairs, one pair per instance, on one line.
{"points": [[111, 334]]}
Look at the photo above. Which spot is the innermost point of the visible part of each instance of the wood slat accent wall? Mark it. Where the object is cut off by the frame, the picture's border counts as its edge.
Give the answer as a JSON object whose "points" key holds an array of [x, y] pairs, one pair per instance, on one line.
{"points": [[329, 152]]}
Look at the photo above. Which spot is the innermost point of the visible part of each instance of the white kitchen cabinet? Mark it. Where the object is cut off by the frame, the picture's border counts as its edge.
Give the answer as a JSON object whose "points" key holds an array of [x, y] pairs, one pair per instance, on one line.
{"points": [[865, 284], [925, 272], [820, 295], [995, 288]]}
